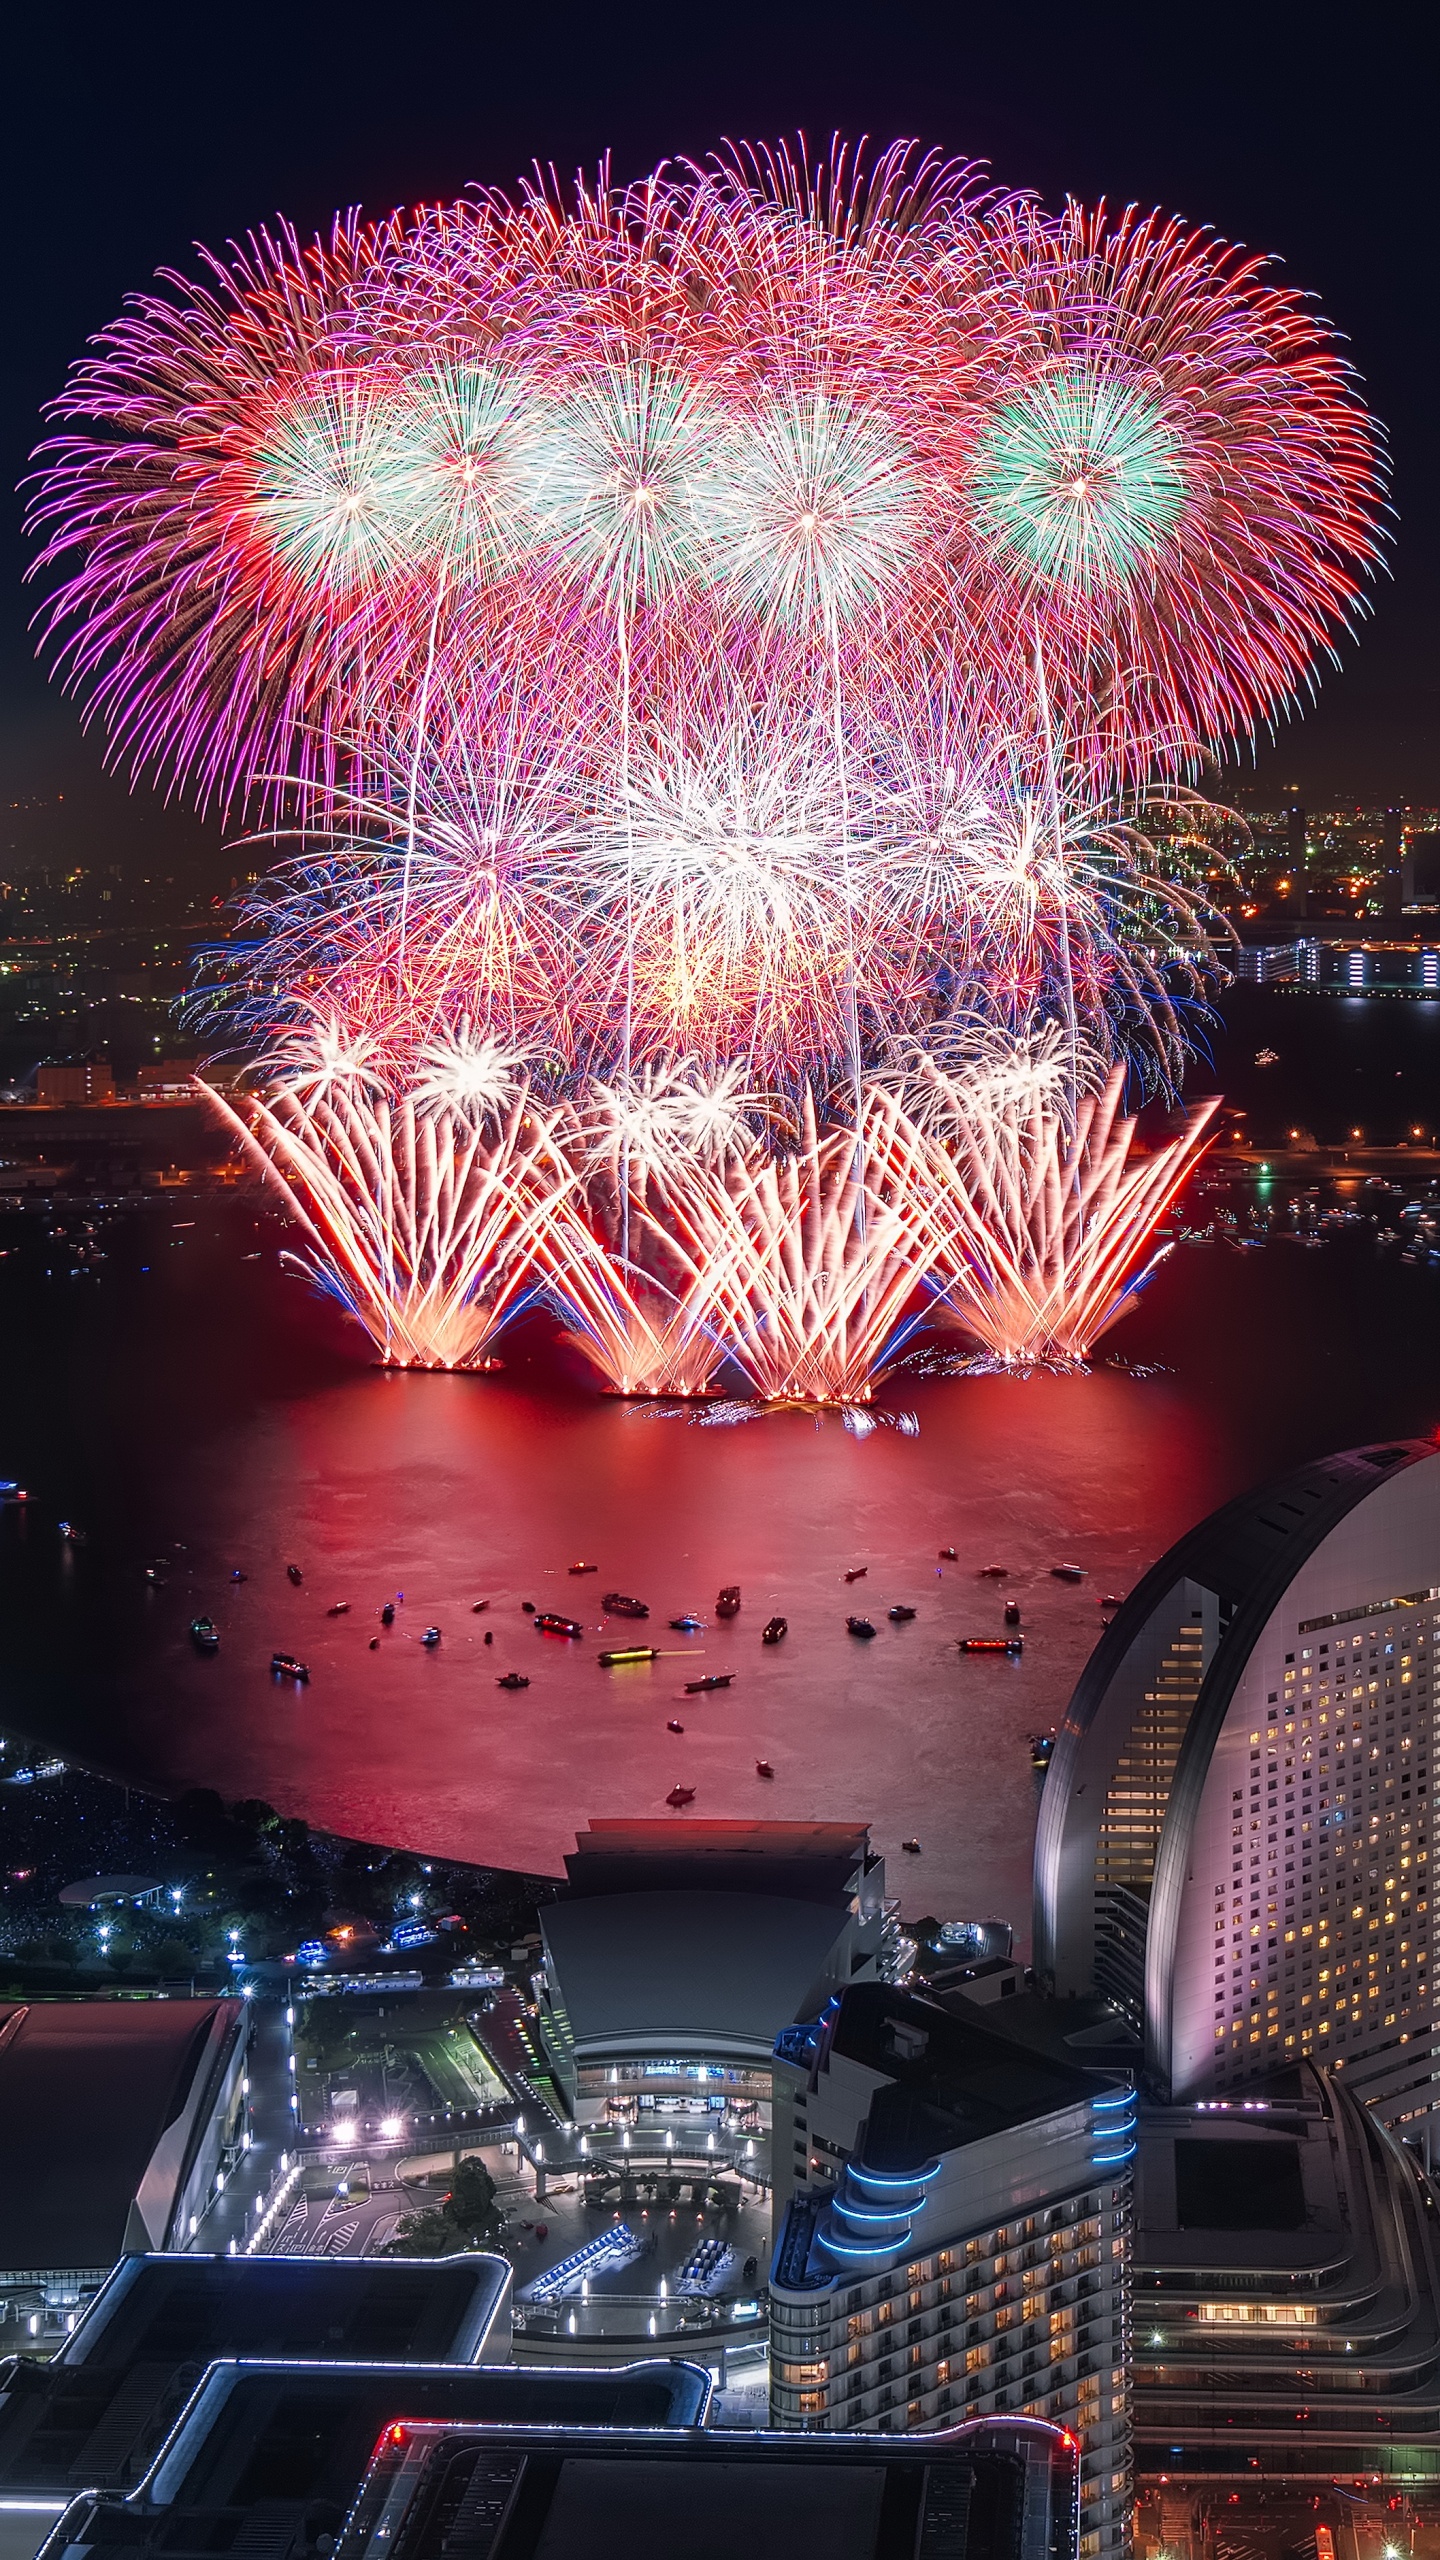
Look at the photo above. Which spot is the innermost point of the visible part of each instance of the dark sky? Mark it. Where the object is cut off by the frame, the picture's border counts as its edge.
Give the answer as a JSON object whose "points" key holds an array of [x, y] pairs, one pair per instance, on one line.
{"points": [[136, 130]]}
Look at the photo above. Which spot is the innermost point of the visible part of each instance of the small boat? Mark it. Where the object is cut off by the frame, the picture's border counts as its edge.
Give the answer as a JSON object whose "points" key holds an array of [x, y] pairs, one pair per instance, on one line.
{"points": [[512, 1680], [763, 1769], [992, 1644], [1012, 1613], [900, 1615], [628, 1653], [284, 1666], [709, 1680], [582, 1568], [1267, 1057], [204, 1635], [947, 1555], [529, 1608], [374, 1644], [338, 1609], [913, 1847], [478, 1607], [12, 1491], [1068, 1572], [431, 1637], [618, 1604], [860, 1626], [550, 1623], [728, 1603], [994, 1573], [1042, 1746], [489, 1635], [1112, 1600], [294, 1574], [689, 1625], [680, 1795], [773, 1630], [857, 1573], [73, 1536], [387, 1614], [672, 1726], [238, 1576]]}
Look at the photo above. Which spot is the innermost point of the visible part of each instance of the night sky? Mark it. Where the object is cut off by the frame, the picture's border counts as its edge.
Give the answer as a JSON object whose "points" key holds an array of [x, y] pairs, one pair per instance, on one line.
{"points": [[135, 131]]}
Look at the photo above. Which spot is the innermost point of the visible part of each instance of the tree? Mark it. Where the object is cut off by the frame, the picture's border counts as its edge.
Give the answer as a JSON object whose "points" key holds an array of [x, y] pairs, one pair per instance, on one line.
{"points": [[471, 2201], [461, 2220]]}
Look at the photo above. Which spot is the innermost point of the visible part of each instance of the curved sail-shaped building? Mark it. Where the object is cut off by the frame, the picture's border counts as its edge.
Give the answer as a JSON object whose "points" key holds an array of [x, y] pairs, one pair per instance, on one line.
{"points": [[1235, 1836]]}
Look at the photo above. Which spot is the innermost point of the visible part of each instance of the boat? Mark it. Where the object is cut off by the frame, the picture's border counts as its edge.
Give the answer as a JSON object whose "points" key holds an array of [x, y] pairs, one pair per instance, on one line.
{"points": [[338, 1609], [1042, 1747], [1012, 1613], [477, 1607], [857, 1573], [708, 1680], [992, 1644], [763, 1769], [582, 1568], [204, 1635], [387, 1614], [489, 1635], [529, 1608], [672, 1726], [860, 1626], [512, 1680], [294, 1574], [284, 1666], [1068, 1572], [550, 1623], [913, 1846], [73, 1535], [773, 1630], [689, 1625], [628, 1653], [728, 1603], [374, 1644], [994, 1573], [900, 1615], [238, 1576], [1267, 1057], [680, 1795], [947, 1555], [431, 1637], [1112, 1600], [618, 1604], [12, 1491]]}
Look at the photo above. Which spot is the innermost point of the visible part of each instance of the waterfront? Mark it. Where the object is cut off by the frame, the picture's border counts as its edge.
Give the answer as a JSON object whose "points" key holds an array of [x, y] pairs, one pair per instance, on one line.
{"points": [[178, 1401]]}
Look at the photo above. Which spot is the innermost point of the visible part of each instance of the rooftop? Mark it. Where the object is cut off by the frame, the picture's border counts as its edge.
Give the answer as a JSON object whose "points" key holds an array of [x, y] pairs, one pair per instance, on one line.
{"points": [[952, 2082], [87, 2087], [723, 1970]]}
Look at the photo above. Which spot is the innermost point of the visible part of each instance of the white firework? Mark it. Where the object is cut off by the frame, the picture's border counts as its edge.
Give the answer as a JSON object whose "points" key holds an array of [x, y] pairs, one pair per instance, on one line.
{"points": [[332, 491], [324, 1056], [817, 513], [613, 479], [471, 1074], [466, 437]]}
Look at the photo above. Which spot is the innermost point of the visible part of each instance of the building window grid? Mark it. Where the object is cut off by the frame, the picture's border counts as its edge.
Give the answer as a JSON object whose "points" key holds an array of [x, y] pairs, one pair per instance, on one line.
{"points": [[1363, 1713]]}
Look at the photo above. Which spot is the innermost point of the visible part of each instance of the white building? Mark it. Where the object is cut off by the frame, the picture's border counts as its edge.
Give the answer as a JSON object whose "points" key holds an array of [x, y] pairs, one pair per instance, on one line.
{"points": [[1234, 1841], [954, 2236]]}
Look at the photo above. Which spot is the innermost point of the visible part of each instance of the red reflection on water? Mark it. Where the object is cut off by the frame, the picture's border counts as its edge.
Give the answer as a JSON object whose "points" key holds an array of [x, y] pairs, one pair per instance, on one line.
{"points": [[453, 1490]]}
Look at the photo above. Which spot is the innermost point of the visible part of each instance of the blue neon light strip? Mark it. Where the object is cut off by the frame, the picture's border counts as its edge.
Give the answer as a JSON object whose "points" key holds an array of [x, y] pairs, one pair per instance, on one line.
{"points": [[886, 2249], [1122, 2098], [872, 2177]]}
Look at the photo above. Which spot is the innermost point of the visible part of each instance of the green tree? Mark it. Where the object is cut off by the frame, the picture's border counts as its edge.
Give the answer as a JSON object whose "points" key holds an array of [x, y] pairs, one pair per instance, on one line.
{"points": [[471, 2201]]}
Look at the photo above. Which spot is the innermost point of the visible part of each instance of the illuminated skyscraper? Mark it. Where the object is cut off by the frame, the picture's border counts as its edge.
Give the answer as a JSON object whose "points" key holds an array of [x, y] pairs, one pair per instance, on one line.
{"points": [[1234, 1842]]}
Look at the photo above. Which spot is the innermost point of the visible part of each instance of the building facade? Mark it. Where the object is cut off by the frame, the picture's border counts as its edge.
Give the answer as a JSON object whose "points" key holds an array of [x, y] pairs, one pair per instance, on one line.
{"points": [[954, 2236], [1287, 2300], [1234, 1840]]}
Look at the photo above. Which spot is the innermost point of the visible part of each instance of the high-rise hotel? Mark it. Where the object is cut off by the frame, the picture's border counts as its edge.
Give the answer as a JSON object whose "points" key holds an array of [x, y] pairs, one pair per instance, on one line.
{"points": [[1235, 1839]]}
